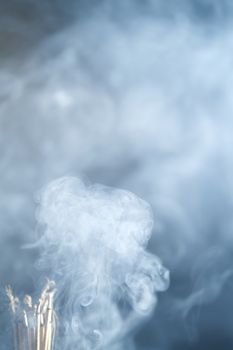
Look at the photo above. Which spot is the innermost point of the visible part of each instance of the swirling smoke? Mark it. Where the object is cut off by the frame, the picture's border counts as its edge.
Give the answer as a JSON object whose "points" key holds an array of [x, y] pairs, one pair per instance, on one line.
{"points": [[135, 95], [94, 241]]}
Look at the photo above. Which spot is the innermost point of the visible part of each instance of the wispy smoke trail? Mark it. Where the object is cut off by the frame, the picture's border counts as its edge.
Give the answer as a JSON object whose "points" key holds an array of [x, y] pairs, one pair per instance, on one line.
{"points": [[94, 239], [137, 96]]}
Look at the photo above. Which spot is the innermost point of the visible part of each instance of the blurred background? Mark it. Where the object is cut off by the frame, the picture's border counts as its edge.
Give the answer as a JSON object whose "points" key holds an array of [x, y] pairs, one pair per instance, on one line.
{"points": [[136, 95]]}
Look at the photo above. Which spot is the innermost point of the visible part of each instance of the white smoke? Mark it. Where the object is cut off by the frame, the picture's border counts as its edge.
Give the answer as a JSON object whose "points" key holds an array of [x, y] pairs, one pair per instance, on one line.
{"points": [[135, 96], [93, 238]]}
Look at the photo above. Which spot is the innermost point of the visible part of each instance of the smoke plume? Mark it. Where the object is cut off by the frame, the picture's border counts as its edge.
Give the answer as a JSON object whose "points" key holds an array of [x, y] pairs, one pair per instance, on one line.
{"points": [[135, 95], [94, 239]]}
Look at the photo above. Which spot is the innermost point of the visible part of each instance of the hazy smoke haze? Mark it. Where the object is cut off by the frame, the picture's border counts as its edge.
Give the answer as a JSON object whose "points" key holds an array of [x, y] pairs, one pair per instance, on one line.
{"points": [[136, 96]]}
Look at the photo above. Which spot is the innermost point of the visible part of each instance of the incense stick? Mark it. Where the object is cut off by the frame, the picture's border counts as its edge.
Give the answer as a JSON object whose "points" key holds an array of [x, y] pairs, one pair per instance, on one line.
{"points": [[33, 325]]}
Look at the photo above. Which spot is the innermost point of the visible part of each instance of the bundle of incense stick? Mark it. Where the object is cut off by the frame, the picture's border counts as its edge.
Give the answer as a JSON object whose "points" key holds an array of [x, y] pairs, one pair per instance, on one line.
{"points": [[33, 324]]}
